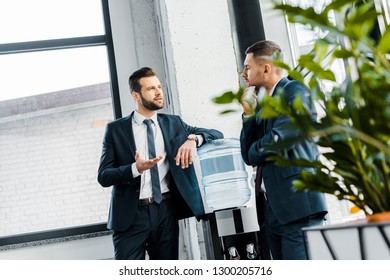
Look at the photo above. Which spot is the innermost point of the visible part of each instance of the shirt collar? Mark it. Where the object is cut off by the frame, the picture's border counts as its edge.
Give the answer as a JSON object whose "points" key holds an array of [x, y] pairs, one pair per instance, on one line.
{"points": [[271, 93], [139, 119]]}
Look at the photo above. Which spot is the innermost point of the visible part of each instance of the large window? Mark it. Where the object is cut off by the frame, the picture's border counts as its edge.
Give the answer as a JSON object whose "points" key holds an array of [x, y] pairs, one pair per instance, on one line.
{"points": [[55, 99], [24, 20]]}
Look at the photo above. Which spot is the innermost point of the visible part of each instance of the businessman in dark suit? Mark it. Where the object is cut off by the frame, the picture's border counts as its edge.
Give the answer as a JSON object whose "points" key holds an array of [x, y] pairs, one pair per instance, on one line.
{"points": [[282, 212], [151, 192]]}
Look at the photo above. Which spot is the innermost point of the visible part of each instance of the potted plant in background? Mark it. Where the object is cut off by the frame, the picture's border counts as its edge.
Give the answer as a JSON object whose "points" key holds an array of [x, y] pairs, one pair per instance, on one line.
{"points": [[354, 128]]}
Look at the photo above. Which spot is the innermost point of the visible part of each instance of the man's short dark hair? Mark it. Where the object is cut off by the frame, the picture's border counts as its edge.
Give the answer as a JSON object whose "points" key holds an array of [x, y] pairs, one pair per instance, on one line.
{"points": [[138, 75], [263, 48]]}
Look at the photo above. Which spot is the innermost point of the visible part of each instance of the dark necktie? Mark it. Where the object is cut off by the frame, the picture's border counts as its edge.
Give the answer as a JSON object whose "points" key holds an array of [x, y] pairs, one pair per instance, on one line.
{"points": [[258, 180], [154, 170], [260, 198]]}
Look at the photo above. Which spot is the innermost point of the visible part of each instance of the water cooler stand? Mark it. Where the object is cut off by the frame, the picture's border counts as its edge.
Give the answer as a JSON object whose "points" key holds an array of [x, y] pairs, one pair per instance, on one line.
{"points": [[233, 234], [231, 230]]}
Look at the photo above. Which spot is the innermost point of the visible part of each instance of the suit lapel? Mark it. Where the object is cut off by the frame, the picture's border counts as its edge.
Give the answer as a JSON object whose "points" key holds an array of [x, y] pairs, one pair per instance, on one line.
{"points": [[264, 122], [128, 131], [164, 129], [280, 85]]}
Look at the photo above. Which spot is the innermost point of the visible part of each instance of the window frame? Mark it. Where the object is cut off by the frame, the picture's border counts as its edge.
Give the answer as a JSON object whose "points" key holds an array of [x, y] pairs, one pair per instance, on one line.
{"points": [[58, 44]]}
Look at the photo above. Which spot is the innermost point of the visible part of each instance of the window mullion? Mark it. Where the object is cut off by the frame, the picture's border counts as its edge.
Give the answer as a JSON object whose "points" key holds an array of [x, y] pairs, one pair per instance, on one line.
{"points": [[46, 45]]}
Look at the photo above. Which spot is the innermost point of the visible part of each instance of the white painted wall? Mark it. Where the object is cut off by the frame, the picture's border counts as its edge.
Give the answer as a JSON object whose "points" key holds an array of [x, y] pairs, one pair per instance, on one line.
{"points": [[202, 60], [193, 55]]}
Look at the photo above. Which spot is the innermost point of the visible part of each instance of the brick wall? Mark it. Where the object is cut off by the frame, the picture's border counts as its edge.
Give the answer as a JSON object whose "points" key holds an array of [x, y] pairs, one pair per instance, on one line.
{"points": [[48, 167]]}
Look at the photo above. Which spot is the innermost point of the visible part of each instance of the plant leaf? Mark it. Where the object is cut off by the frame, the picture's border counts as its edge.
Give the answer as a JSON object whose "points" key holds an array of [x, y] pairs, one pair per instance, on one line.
{"points": [[384, 43], [225, 98]]}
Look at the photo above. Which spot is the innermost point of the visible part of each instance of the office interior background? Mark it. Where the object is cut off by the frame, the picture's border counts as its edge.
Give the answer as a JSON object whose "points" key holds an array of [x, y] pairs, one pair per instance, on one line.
{"points": [[64, 67]]}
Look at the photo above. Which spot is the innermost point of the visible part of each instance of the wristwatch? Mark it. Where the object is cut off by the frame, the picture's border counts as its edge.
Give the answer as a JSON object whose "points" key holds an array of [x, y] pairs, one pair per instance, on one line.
{"points": [[193, 137]]}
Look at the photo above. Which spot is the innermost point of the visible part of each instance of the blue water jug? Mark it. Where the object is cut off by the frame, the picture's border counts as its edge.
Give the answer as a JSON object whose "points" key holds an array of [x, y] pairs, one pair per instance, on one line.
{"points": [[224, 177]]}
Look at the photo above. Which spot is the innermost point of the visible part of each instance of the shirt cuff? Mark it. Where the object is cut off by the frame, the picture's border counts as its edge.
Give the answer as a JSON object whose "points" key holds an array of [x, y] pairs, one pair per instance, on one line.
{"points": [[135, 170], [200, 140], [247, 117]]}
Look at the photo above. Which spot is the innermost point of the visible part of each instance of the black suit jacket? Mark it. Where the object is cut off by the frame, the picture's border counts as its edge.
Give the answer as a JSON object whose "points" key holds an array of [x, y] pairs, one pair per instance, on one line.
{"points": [[287, 204], [118, 154]]}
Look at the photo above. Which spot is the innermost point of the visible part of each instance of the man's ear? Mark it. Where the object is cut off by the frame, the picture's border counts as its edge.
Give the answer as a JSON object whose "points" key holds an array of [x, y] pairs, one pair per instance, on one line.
{"points": [[267, 68], [135, 95]]}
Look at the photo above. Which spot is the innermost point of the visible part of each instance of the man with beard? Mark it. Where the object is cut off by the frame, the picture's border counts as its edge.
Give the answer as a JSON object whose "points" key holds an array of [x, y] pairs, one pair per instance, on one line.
{"points": [[147, 158], [282, 212]]}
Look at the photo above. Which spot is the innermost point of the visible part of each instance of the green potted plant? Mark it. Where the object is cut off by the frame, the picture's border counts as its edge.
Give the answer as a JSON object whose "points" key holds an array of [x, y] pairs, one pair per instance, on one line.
{"points": [[354, 128]]}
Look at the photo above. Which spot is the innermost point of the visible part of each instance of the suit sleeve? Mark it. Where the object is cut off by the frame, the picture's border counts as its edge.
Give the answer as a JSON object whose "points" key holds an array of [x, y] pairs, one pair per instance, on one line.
{"points": [[109, 172], [207, 134], [248, 136]]}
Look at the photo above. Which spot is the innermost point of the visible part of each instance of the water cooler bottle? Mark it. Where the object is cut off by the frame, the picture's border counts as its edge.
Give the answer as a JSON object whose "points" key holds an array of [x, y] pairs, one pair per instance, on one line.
{"points": [[231, 230]]}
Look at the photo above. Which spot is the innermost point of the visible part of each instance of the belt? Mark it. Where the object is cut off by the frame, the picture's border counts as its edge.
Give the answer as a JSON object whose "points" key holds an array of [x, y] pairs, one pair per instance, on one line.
{"points": [[149, 200]]}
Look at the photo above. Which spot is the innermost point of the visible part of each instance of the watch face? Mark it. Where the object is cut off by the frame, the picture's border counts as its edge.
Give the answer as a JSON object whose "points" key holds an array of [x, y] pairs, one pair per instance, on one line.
{"points": [[191, 137]]}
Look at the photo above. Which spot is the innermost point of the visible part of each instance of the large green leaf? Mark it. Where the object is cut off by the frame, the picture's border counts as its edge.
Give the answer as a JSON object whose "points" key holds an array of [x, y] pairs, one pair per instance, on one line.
{"points": [[384, 43], [343, 53], [225, 98]]}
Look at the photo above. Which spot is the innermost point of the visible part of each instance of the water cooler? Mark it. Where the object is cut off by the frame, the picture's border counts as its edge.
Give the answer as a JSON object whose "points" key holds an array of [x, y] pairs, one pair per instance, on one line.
{"points": [[231, 230]]}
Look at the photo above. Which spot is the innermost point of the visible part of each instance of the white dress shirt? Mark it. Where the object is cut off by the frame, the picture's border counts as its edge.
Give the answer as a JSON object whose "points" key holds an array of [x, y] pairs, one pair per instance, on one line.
{"points": [[141, 143]]}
